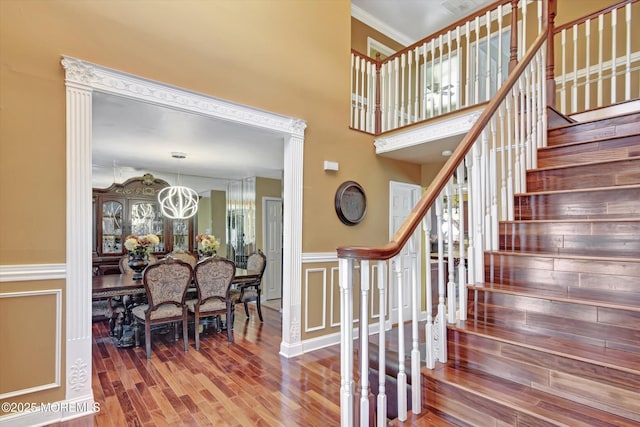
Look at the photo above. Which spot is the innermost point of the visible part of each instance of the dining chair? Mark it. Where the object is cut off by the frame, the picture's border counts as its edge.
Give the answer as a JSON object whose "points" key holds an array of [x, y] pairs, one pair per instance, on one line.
{"points": [[166, 284], [251, 290], [185, 256], [118, 307], [213, 277]]}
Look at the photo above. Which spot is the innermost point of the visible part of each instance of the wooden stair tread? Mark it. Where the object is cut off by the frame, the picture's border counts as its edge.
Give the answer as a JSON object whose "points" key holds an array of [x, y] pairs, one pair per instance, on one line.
{"points": [[611, 358], [547, 407], [615, 300]]}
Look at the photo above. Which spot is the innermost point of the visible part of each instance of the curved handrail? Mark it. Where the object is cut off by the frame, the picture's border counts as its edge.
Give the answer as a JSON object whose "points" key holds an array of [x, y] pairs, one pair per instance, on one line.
{"points": [[414, 218]]}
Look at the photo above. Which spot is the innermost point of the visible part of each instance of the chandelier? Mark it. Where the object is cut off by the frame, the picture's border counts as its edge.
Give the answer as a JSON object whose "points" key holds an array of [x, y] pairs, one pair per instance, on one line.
{"points": [[178, 201]]}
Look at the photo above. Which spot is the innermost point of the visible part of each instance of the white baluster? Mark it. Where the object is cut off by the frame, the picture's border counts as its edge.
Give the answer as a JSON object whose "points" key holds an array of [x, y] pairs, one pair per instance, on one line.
{"points": [[563, 90], [416, 105], [500, 65], [467, 85], [346, 341], [433, 76], [353, 94], [614, 60], [402, 375], [471, 210], [363, 95], [627, 70], [510, 143], [364, 343], [449, 79], [587, 87], [574, 88], [476, 99], [600, 58], [424, 80], [462, 277], [402, 89], [440, 106], [493, 186], [430, 362], [440, 328], [382, 395], [416, 403], [451, 285], [396, 92], [383, 97], [488, 66]]}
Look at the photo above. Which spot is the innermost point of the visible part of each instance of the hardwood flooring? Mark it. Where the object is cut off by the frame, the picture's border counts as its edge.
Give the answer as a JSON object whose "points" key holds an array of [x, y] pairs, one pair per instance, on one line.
{"points": [[246, 383]]}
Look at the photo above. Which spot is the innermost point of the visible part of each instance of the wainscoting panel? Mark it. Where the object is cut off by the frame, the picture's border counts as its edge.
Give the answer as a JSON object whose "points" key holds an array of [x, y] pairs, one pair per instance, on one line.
{"points": [[17, 310]]}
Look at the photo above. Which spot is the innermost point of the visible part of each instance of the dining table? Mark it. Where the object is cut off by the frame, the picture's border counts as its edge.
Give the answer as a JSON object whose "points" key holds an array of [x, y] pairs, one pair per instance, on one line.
{"points": [[126, 290]]}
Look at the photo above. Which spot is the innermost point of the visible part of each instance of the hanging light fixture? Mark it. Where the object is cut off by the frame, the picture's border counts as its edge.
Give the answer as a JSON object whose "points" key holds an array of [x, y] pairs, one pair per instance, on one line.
{"points": [[177, 201]]}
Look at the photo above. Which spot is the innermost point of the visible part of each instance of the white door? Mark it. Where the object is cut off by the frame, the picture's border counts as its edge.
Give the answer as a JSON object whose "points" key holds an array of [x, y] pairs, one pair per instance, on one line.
{"points": [[272, 238], [403, 197]]}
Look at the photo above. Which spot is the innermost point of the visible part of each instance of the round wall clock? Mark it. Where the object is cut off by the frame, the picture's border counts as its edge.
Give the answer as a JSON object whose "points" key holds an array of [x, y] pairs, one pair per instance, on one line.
{"points": [[351, 203]]}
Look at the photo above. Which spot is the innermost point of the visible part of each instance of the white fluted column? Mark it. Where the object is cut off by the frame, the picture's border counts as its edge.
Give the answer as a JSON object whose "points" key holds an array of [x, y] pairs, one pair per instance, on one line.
{"points": [[79, 226]]}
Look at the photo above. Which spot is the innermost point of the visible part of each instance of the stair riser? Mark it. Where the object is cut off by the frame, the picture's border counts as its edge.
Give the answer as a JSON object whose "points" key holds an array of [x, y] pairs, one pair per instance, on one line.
{"points": [[599, 386], [609, 204], [545, 272], [583, 323], [589, 152], [461, 404], [617, 126], [588, 176], [612, 238]]}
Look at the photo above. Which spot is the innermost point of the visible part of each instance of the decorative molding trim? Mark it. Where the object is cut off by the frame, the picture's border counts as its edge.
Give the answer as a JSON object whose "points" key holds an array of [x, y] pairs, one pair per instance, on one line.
{"points": [[378, 25], [432, 131], [311, 257], [27, 272], [119, 83], [57, 357], [323, 324], [334, 289]]}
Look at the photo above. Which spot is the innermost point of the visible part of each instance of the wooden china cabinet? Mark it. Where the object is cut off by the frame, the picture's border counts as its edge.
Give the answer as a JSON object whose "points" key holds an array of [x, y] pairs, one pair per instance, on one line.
{"points": [[132, 208]]}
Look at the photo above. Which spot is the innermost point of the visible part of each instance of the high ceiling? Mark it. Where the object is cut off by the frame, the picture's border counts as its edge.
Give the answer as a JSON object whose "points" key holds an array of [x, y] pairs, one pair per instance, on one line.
{"points": [[132, 137]]}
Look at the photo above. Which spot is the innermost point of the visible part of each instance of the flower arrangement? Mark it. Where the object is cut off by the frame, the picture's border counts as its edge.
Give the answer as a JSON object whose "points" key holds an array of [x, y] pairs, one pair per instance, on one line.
{"points": [[208, 244], [141, 245]]}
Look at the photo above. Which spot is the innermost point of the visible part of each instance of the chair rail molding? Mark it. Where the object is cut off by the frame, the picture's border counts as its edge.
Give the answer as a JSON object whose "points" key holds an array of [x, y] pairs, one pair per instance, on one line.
{"points": [[82, 79], [27, 272]]}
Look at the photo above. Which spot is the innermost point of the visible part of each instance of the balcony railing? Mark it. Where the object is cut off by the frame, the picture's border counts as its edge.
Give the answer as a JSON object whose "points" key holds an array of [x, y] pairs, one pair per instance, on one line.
{"points": [[464, 65]]}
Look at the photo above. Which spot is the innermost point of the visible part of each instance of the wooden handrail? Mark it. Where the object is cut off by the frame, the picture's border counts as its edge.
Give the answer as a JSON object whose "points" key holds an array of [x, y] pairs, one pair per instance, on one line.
{"points": [[593, 15], [415, 217]]}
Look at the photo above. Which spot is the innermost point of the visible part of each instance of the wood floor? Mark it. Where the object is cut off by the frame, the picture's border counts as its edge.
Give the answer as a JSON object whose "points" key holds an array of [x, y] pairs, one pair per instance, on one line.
{"points": [[246, 383]]}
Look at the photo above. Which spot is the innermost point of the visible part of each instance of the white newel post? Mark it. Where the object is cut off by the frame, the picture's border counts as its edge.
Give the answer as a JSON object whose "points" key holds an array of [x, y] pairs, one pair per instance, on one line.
{"points": [[78, 250], [346, 341]]}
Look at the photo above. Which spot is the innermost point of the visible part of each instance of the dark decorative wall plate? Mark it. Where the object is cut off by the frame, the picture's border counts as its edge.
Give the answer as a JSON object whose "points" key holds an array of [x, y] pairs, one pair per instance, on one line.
{"points": [[351, 203]]}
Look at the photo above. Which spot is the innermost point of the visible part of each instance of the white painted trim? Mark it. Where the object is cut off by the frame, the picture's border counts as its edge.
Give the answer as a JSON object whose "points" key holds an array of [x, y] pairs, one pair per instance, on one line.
{"points": [[334, 287], [81, 79], [323, 325], [376, 24], [324, 341], [311, 257], [27, 272], [380, 47], [57, 357], [431, 131]]}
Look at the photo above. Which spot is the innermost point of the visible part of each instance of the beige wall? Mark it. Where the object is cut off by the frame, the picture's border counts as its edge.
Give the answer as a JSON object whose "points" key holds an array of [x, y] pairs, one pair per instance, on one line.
{"points": [[273, 55]]}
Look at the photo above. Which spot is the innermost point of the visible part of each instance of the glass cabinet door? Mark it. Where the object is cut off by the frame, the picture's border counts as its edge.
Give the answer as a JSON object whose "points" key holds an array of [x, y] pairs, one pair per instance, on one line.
{"points": [[111, 227], [181, 234], [146, 218]]}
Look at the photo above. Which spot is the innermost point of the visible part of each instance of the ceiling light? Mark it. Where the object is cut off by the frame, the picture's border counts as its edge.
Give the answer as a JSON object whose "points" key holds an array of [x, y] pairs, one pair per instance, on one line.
{"points": [[178, 201], [446, 153]]}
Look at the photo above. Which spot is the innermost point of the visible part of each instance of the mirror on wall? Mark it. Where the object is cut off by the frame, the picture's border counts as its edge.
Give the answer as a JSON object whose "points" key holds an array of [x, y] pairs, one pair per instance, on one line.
{"points": [[241, 220]]}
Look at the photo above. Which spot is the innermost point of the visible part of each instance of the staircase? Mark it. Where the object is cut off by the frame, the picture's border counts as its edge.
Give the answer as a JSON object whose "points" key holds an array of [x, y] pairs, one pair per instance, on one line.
{"points": [[552, 337]]}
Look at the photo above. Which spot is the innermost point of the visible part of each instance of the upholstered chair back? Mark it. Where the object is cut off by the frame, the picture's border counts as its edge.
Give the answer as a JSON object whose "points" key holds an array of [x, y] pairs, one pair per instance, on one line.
{"points": [[166, 283], [213, 277]]}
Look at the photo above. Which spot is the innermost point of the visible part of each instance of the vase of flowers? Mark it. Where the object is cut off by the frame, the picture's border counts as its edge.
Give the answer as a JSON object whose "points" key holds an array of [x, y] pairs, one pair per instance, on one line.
{"points": [[208, 245], [139, 248]]}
